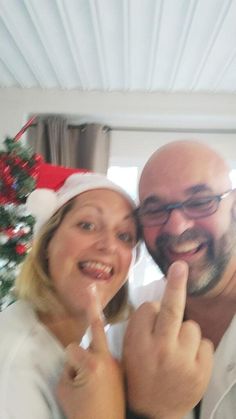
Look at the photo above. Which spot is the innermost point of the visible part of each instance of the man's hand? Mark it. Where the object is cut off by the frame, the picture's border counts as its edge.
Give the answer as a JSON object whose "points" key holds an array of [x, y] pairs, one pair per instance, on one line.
{"points": [[167, 363], [91, 386]]}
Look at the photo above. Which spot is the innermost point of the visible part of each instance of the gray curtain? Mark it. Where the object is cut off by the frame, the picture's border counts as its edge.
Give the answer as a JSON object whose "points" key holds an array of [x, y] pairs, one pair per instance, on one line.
{"points": [[85, 146], [94, 146]]}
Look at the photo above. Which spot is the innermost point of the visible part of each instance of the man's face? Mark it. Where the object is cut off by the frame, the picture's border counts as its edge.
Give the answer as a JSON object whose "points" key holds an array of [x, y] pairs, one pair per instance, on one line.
{"points": [[207, 259], [207, 244]]}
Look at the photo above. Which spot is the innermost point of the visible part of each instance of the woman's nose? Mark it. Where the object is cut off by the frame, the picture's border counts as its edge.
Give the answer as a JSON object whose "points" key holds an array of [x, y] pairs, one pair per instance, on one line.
{"points": [[177, 223], [107, 242]]}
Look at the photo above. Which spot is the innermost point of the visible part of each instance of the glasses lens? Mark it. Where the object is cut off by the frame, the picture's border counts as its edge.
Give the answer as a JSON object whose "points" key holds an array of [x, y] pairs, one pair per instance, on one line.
{"points": [[151, 216], [201, 207]]}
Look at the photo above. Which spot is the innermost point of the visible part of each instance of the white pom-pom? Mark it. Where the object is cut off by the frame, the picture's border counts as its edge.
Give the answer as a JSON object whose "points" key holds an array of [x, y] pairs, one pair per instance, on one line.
{"points": [[42, 203], [3, 238]]}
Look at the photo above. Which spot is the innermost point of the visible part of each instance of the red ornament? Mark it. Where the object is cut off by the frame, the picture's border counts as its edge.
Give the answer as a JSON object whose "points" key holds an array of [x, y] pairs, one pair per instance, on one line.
{"points": [[38, 158], [3, 200], [21, 249], [10, 232], [17, 160]]}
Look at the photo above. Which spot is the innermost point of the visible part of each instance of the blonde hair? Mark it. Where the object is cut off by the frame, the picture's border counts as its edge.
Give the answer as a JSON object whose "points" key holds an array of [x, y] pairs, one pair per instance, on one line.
{"points": [[35, 285]]}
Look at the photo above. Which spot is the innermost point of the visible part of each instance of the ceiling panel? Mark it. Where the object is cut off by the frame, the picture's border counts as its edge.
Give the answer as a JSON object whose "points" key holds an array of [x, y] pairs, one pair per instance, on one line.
{"points": [[119, 45]]}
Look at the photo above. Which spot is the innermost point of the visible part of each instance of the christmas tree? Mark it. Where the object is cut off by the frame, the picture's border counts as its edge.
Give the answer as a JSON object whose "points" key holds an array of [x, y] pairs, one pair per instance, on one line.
{"points": [[18, 173]]}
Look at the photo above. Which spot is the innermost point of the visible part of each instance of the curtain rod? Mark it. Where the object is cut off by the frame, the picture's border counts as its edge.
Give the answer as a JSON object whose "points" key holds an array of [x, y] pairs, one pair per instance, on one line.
{"points": [[159, 129], [185, 130], [75, 126], [35, 124]]}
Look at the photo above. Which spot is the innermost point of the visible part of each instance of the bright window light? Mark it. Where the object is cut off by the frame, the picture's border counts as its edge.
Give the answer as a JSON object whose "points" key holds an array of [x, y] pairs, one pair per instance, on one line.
{"points": [[145, 271], [126, 177], [232, 176]]}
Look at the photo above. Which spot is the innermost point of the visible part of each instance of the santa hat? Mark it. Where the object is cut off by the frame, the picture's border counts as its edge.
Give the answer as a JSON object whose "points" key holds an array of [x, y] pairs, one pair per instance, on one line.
{"points": [[57, 185]]}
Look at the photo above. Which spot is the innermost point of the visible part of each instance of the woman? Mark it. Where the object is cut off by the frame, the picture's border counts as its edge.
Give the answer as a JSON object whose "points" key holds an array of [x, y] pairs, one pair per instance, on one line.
{"points": [[85, 238]]}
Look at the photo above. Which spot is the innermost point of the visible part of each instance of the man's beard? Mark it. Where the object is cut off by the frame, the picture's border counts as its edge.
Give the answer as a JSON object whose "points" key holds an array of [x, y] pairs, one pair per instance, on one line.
{"points": [[206, 272]]}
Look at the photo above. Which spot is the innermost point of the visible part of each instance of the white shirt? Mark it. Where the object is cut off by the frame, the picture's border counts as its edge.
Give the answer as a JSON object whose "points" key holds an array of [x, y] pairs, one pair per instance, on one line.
{"points": [[31, 360], [219, 401]]}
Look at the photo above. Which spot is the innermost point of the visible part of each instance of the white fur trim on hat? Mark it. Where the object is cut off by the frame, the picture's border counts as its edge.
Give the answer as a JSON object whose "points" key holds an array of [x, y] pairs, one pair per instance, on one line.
{"points": [[43, 203]]}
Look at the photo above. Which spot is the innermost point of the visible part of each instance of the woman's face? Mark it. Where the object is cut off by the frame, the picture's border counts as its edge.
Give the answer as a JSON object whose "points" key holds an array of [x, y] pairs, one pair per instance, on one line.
{"points": [[93, 245]]}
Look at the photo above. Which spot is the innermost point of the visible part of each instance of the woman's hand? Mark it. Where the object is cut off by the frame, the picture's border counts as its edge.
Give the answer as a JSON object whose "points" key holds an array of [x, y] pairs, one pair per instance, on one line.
{"points": [[91, 386]]}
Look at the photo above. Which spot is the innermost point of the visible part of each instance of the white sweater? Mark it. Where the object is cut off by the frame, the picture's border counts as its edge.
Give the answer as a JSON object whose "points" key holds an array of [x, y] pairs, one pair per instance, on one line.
{"points": [[31, 360]]}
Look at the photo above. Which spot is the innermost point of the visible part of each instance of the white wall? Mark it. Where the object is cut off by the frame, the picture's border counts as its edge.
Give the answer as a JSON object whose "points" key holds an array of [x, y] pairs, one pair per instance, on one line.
{"points": [[133, 148], [152, 110]]}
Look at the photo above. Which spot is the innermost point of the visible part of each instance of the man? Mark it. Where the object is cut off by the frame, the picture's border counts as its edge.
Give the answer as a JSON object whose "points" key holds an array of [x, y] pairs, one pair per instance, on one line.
{"points": [[188, 212]]}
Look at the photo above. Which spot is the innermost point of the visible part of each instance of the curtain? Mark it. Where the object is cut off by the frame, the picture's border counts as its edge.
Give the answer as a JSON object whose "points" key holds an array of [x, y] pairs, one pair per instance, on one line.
{"points": [[94, 146], [85, 146]]}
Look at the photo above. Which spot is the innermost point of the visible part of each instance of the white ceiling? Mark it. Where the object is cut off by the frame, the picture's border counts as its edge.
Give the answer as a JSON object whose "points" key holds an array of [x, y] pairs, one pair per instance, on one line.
{"points": [[119, 45]]}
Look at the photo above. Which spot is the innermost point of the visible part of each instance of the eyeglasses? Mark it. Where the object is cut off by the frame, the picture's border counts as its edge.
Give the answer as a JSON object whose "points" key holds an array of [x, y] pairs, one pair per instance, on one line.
{"points": [[153, 214]]}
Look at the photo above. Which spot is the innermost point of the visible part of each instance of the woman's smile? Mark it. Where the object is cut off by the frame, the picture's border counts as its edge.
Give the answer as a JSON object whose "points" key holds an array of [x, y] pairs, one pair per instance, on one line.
{"points": [[96, 270]]}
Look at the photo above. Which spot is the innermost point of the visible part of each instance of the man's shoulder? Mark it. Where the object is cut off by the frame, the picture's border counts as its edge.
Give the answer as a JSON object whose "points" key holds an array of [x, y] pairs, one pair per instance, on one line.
{"points": [[149, 292]]}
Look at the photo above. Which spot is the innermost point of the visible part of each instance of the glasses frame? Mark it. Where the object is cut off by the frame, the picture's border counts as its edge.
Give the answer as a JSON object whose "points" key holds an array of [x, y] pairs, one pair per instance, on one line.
{"points": [[168, 208]]}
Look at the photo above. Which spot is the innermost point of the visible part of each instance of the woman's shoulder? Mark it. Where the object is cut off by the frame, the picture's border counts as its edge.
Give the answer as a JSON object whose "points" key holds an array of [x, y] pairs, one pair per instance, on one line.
{"points": [[26, 343], [16, 323], [17, 318], [30, 365]]}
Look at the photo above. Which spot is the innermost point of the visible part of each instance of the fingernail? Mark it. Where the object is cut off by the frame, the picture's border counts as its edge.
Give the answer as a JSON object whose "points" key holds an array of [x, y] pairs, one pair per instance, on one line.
{"points": [[179, 268], [96, 308], [93, 289]]}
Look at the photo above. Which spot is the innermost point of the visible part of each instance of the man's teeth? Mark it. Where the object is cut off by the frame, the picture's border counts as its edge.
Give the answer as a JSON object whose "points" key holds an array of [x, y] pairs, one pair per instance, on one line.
{"points": [[185, 247], [97, 266]]}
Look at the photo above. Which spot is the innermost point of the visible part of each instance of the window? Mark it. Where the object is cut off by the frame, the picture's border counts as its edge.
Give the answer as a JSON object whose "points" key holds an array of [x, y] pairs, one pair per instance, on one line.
{"points": [[145, 270]]}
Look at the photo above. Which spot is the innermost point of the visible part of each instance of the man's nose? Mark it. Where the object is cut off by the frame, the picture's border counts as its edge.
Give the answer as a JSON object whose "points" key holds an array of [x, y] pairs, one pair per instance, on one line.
{"points": [[177, 223]]}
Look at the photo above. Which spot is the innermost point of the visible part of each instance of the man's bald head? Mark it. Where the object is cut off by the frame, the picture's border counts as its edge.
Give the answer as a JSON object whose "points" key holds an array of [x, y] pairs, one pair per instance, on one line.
{"points": [[184, 162]]}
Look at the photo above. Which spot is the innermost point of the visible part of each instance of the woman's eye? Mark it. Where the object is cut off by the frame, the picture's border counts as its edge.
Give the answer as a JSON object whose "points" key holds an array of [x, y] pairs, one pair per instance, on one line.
{"points": [[86, 225], [127, 238]]}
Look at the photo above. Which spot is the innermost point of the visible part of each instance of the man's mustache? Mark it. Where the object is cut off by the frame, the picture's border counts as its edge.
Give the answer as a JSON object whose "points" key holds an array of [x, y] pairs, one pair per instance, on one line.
{"points": [[166, 239]]}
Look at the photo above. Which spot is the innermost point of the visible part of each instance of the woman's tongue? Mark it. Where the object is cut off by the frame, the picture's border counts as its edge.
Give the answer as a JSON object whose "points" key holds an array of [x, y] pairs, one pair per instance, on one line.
{"points": [[95, 270]]}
